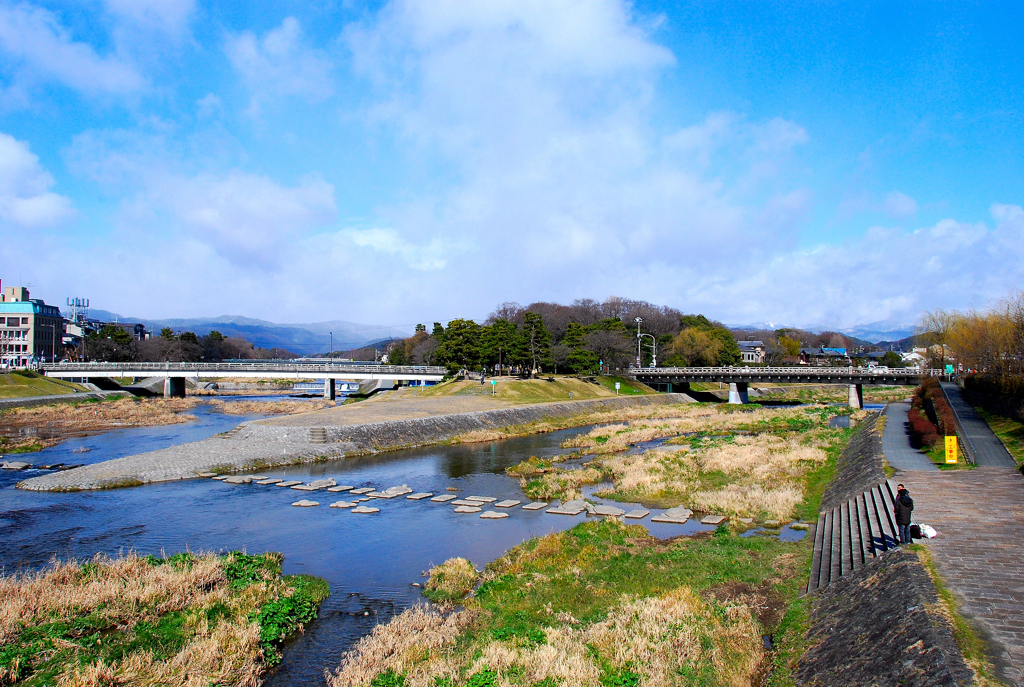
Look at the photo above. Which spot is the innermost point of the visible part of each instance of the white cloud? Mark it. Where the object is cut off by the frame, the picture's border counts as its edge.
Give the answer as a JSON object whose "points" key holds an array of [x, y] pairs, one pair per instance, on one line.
{"points": [[37, 40], [26, 200], [169, 16], [279, 64], [246, 218], [900, 205]]}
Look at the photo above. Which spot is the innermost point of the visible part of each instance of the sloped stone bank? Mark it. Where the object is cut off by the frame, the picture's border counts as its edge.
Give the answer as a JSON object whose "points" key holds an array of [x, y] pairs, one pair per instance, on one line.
{"points": [[878, 627], [859, 466], [255, 445]]}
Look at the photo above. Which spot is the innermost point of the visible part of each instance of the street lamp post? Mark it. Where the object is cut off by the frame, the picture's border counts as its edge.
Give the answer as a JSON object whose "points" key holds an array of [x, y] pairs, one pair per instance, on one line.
{"points": [[639, 362]]}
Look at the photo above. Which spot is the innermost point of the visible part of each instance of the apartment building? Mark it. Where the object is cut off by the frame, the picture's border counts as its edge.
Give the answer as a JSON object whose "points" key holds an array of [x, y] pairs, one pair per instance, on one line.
{"points": [[30, 330]]}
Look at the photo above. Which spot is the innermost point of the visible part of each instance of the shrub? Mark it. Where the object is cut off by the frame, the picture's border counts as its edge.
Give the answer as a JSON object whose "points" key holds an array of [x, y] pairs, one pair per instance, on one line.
{"points": [[451, 580]]}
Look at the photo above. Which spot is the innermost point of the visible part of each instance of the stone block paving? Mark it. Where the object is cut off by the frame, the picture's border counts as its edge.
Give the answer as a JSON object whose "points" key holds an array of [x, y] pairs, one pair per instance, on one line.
{"points": [[979, 552]]}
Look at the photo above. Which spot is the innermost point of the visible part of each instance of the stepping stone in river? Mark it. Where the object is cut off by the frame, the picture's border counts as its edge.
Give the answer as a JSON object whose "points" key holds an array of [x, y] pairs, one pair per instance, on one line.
{"points": [[207, 474], [305, 504], [482, 499], [746, 521], [343, 504], [399, 491], [322, 483], [270, 480], [560, 510], [221, 478], [360, 499], [608, 510], [305, 487], [363, 490], [468, 509], [638, 514], [236, 480], [772, 524], [444, 498], [364, 509], [510, 503], [342, 487], [381, 495], [288, 483], [493, 515], [421, 495], [256, 478], [465, 502], [15, 465], [713, 519], [536, 505], [677, 516], [799, 526]]}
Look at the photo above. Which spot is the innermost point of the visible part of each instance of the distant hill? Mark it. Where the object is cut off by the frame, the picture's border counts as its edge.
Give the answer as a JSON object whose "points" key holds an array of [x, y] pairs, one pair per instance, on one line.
{"points": [[304, 338]]}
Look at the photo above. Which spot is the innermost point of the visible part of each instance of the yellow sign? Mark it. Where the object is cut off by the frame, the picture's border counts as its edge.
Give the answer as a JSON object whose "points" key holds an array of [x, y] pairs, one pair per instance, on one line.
{"points": [[950, 450]]}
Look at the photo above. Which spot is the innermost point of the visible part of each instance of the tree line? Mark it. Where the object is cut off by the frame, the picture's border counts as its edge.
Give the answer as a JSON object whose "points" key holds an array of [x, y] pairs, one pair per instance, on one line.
{"points": [[112, 343], [583, 337], [989, 341]]}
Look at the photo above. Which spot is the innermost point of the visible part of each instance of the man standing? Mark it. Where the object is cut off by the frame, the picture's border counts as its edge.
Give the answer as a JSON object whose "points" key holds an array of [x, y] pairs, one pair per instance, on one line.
{"points": [[903, 510]]}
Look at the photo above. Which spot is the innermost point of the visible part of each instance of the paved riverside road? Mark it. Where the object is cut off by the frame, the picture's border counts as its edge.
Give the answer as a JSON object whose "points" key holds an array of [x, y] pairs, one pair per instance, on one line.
{"points": [[979, 553], [989, 450], [896, 441]]}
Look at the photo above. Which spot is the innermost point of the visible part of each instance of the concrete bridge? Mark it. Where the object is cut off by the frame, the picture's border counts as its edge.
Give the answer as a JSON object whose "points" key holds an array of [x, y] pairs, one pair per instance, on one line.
{"points": [[175, 374], [738, 378]]}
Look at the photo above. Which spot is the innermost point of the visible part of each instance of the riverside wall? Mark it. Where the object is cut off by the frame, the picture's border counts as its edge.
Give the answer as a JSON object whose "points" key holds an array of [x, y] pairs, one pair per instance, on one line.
{"points": [[255, 445]]}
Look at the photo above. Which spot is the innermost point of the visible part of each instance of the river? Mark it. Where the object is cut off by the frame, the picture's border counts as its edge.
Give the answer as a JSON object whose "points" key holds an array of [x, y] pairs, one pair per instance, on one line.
{"points": [[370, 561]]}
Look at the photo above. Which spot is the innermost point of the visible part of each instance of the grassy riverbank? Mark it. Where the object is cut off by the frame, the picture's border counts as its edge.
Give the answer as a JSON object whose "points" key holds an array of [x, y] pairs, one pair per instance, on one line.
{"points": [[1010, 432], [542, 390], [186, 620], [26, 384], [605, 604]]}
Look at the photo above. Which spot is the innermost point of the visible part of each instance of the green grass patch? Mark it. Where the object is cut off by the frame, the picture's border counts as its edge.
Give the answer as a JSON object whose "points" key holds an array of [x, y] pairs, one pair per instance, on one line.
{"points": [[108, 613], [23, 384], [1009, 431], [626, 386]]}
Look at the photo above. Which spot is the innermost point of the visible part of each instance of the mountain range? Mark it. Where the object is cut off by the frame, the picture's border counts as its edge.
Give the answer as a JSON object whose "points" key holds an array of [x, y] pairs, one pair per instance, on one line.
{"points": [[303, 338]]}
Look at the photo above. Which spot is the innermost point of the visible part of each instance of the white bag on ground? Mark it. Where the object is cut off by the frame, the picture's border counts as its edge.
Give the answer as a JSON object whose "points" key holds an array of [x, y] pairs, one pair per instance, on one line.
{"points": [[928, 532]]}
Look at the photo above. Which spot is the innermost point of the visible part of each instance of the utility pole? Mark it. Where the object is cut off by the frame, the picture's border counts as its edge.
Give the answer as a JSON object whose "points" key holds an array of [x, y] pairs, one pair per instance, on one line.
{"points": [[332, 349]]}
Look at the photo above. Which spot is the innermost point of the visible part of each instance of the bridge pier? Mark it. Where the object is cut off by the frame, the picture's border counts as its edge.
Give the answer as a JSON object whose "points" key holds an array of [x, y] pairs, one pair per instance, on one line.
{"points": [[174, 387], [738, 392], [857, 396], [329, 389]]}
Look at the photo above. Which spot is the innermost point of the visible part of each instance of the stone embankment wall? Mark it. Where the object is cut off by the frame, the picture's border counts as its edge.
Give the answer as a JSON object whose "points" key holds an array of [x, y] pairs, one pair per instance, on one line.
{"points": [[859, 467], [254, 446], [879, 627]]}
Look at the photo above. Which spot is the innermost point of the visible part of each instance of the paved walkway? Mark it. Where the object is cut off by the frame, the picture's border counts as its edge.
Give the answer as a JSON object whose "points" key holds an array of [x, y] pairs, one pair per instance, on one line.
{"points": [[896, 441], [988, 449], [979, 552]]}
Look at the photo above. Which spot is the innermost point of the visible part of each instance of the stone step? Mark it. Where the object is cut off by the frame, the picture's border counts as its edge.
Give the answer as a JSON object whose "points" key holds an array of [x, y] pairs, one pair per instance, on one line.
{"points": [[851, 534]]}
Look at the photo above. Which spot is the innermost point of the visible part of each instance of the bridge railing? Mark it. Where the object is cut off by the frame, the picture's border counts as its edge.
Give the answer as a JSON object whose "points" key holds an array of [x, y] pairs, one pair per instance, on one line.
{"points": [[790, 370], [309, 369]]}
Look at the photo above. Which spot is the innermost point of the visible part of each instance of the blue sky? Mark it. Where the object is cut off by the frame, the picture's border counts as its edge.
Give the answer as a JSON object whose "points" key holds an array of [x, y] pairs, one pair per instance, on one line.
{"points": [[816, 164]]}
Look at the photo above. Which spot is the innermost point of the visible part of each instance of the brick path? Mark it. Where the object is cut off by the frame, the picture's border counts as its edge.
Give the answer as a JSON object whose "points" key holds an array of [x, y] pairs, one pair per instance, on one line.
{"points": [[979, 552], [896, 441]]}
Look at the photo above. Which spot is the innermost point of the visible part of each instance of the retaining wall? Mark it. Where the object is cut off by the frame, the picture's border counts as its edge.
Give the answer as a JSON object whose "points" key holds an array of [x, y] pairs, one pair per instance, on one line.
{"points": [[859, 466], [254, 446]]}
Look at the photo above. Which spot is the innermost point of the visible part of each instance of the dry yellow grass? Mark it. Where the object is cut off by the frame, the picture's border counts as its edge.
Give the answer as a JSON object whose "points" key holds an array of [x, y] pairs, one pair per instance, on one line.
{"points": [[451, 580], [752, 475], [402, 646], [122, 593], [58, 421], [270, 407], [655, 637]]}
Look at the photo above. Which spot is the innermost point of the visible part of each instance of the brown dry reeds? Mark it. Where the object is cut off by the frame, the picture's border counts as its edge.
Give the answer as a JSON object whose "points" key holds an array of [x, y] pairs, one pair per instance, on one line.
{"points": [[70, 419], [270, 407]]}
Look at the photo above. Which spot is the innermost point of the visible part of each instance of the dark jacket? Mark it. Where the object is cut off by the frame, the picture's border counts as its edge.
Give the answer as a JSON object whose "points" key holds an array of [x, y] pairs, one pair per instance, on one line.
{"points": [[904, 506]]}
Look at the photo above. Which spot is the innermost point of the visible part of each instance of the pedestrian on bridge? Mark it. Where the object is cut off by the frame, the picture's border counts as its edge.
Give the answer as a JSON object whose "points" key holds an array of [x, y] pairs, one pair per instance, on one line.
{"points": [[903, 510]]}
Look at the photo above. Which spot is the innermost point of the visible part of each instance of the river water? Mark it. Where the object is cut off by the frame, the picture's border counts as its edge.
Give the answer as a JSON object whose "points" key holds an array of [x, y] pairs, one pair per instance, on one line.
{"points": [[370, 561]]}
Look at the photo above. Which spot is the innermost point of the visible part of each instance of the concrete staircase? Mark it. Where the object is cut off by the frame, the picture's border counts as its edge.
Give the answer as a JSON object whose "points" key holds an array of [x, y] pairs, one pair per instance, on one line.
{"points": [[850, 535]]}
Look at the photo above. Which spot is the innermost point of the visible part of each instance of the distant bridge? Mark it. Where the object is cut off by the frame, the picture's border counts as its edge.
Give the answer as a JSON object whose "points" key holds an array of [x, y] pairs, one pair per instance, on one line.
{"points": [[175, 374], [738, 378]]}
